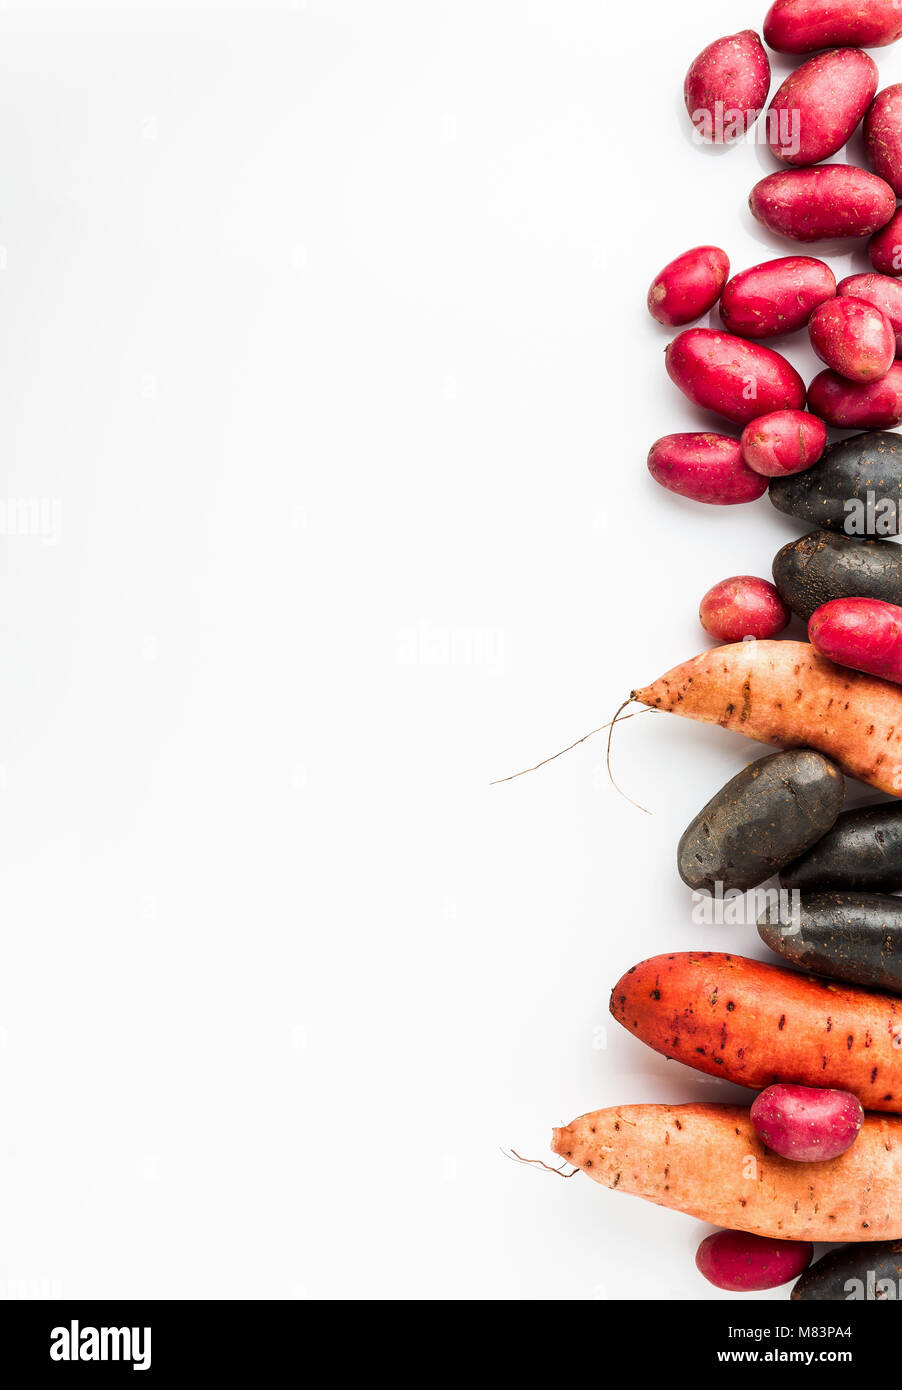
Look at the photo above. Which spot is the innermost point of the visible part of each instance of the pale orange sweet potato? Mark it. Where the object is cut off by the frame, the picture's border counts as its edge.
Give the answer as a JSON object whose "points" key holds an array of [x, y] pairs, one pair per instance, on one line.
{"points": [[786, 695], [707, 1161]]}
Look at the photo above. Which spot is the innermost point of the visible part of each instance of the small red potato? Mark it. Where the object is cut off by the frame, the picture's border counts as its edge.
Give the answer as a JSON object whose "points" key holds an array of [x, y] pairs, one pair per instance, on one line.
{"points": [[854, 338], [885, 247], [776, 296], [820, 105], [883, 136], [737, 379], [848, 406], [744, 1263], [705, 467], [743, 607], [883, 292], [805, 1124], [863, 633], [726, 87], [832, 200], [785, 442], [689, 286], [804, 26]]}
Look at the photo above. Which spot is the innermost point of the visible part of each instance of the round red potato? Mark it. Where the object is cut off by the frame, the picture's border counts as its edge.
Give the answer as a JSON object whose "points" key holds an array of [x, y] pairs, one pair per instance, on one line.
{"points": [[743, 607], [705, 467], [776, 296], [863, 633], [833, 200], [743, 1263], [689, 286], [848, 406], [804, 26], [726, 87], [881, 291], [820, 105], [785, 442], [885, 247], [854, 338], [883, 136], [737, 379], [805, 1124]]}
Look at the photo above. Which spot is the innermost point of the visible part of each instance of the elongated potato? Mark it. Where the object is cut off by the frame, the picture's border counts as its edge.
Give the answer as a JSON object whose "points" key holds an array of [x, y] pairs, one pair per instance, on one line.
{"points": [[862, 851], [808, 1124], [707, 1161], [853, 337], [726, 87], [825, 565], [741, 1262], [737, 379], [885, 247], [756, 1024], [863, 633], [856, 487], [883, 136], [820, 105], [856, 937], [831, 200], [862, 1273], [803, 26], [689, 286], [776, 296], [764, 817], [706, 467], [848, 406]]}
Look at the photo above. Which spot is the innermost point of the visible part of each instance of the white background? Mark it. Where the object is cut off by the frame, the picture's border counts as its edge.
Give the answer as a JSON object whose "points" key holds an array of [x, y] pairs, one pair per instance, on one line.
{"points": [[324, 326]]}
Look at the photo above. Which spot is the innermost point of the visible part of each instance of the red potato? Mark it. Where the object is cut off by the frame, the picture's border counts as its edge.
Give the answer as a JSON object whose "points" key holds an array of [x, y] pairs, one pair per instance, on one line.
{"points": [[743, 1263], [705, 467], [883, 136], [820, 105], [885, 247], [881, 291], [736, 609], [788, 441], [788, 695], [805, 1124], [862, 633], [776, 297], [847, 406], [689, 286], [726, 87], [854, 338], [737, 379], [804, 26], [833, 200]]}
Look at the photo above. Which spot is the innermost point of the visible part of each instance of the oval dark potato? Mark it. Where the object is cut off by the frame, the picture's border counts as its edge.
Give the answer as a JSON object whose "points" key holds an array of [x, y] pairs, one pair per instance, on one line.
{"points": [[761, 820], [854, 937], [862, 850], [825, 565], [856, 487], [866, 1273]]}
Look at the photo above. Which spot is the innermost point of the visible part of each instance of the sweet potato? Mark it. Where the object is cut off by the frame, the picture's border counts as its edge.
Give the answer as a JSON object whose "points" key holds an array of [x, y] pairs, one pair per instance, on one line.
{"points": [[755, 1024], [820, 105], [885, 247], [689, 286], [763, 818], [823, 565], [805, 1123], [847, 406], [862, 851], [832, 200], [737, 379], [742, 1263], [776, 296], [803, 26], [785, 694], [784, 442], [743, 607], [726, 87], [883, 136], [856, 487], [854, 338], [705, 467], [855, 937], [864, 633], [883, 292], [707, 1161], [854, 1273]]}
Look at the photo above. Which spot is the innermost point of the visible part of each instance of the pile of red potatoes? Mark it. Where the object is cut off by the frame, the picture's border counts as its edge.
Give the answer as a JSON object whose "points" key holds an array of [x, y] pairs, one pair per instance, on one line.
{"points": [[823, 1047]]}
